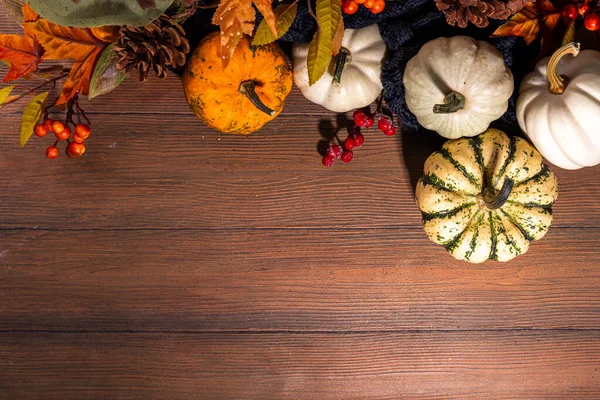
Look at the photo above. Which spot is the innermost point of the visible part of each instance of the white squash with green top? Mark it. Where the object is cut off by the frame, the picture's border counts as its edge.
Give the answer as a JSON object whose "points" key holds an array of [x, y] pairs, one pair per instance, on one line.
{"points": [[457, 86], [486, 197]]}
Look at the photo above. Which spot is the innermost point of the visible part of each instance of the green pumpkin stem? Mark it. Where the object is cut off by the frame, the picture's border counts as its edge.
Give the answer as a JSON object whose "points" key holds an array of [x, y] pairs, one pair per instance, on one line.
{"points": [[495, 200], [248, 89], [341, 60], [453, 102]]}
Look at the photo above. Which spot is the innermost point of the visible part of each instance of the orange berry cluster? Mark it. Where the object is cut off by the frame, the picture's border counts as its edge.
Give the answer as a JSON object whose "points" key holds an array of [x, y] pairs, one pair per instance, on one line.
{"points": [[75, 147], [351, 6]]}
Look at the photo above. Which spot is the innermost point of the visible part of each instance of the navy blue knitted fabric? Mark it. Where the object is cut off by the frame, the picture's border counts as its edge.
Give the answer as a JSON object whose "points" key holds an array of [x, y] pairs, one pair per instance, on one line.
{"points": [[405, 26]]}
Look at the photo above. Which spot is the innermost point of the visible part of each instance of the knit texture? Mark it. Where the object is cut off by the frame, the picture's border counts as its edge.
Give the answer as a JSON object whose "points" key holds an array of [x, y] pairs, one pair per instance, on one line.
{"points": [[405, 26]]}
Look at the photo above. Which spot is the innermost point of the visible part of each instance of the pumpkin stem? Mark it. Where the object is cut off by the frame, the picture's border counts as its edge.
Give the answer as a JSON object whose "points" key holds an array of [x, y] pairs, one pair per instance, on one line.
{"points": [[248, 89], [453, 102], [341, 60], [493, 199], [556, 82]]}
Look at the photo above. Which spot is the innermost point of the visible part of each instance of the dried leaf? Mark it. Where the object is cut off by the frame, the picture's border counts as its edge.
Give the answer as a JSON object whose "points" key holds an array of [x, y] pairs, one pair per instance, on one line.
{"points": [[234, 17], [64, 43], [530, 21], [29, 15], [4, 93], [14, 8], [320, 50], [264, 6], [21, 53], [31, 115], [569, 35], [106, 76], [338, 38], [285, 17]]}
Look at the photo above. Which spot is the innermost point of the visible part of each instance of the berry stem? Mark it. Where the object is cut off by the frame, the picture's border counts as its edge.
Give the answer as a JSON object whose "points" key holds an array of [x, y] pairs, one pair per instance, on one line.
{"points": [[343, 58], [310, 10], [556, 82], [247, 88], [379, 104]]}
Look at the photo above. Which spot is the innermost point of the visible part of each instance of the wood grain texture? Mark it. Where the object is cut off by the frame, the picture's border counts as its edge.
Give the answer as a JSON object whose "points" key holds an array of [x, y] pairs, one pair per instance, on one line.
{"points": [[473, 365], [289, 280], [150, 173], [174, 262]]}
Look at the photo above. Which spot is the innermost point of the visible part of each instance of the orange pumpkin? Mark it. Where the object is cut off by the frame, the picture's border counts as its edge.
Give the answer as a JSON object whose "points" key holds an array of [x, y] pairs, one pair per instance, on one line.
{"points": [[242, 97]]}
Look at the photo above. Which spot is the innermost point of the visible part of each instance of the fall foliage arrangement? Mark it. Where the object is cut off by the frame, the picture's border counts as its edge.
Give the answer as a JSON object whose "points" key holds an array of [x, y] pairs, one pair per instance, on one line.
{"points": [[452, 67]]}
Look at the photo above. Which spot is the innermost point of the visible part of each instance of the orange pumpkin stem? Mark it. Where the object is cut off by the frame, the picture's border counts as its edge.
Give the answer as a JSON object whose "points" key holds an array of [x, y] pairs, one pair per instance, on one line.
{"points": [[556, 82], [248, 89]]}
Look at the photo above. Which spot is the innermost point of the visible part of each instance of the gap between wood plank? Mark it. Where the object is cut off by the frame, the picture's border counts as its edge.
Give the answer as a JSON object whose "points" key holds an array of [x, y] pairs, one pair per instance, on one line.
{"points": [[298, 332]]}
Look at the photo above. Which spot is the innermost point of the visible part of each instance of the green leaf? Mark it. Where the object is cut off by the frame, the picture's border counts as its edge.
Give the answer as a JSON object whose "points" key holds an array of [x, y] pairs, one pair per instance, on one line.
{"points": [[285, 17], [92, 13], [319, 52], [4, 93], [106, 77], [31, 115]]}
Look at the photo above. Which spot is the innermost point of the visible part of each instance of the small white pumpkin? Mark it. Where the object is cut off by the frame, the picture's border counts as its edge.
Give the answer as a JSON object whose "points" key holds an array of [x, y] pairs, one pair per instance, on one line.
{"points": [[457, 86], [559, 107], [353, 79]]}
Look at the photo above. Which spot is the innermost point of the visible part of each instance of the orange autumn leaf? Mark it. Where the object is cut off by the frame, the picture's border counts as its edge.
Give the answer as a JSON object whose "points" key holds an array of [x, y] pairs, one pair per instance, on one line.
{"points": [[29, 15], [235, 18], [23, 53], [65, 43], [530, 21]]}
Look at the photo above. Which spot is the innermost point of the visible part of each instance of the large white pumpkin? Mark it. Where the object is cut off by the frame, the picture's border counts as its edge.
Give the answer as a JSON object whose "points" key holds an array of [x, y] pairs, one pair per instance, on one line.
{"points": [[457, 86], [559, 107], [359, 72]]}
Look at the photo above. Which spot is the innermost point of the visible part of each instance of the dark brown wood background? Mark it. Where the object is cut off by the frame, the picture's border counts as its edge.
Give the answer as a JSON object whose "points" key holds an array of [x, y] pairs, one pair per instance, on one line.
{"points": [[173, 262]]}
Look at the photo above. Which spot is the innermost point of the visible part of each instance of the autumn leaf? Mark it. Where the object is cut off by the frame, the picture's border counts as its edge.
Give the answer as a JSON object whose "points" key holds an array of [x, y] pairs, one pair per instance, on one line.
{"points": [[22, 53], [64, 43], [29, 15], [31, 115], [285, 14], [5, 93], [235, 18], [338, 37], [321, 46], [534, 18]]}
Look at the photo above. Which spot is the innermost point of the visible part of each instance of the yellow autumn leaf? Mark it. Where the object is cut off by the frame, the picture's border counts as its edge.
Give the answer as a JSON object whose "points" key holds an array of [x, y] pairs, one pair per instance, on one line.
{"points": [[320, 49], [31, 115], [285, 17]]}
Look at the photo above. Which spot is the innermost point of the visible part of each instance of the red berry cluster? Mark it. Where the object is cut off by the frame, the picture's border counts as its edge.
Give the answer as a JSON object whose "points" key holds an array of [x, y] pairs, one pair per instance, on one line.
{"points": [[351, 6], [591, 19], [355, 138], [75, 147]]}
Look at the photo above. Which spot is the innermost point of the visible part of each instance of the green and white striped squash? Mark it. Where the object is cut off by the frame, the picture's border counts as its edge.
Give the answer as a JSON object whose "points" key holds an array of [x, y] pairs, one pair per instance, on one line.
{"points": [[486, 197]]}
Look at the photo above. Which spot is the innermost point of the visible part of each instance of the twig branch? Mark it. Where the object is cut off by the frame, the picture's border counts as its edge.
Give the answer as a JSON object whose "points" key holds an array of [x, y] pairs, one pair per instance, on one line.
{"points": [[41, 85], [311, 12]]}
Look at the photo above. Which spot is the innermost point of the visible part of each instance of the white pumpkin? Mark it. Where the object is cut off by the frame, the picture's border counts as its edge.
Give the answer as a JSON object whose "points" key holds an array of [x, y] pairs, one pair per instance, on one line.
{"points": [[559, 107], [457, 86], [358, 65]]}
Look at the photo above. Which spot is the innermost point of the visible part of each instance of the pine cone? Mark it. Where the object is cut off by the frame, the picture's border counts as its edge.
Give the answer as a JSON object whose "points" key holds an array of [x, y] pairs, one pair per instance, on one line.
{"points": [[153, 47], [460, 12]]}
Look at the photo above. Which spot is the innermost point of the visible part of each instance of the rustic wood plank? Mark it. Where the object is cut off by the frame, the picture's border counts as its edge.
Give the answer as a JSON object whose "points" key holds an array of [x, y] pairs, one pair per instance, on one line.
{"points": [[157, 173], [290, 280], [472, 365]]}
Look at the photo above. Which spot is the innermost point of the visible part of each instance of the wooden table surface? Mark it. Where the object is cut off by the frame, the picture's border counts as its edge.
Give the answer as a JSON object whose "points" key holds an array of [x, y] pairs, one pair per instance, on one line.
{"points": [[174, 262]]}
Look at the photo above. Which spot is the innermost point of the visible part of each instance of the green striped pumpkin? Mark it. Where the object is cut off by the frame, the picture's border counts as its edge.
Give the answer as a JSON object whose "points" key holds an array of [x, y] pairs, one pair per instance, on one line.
{"points": [[486, 197]]}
